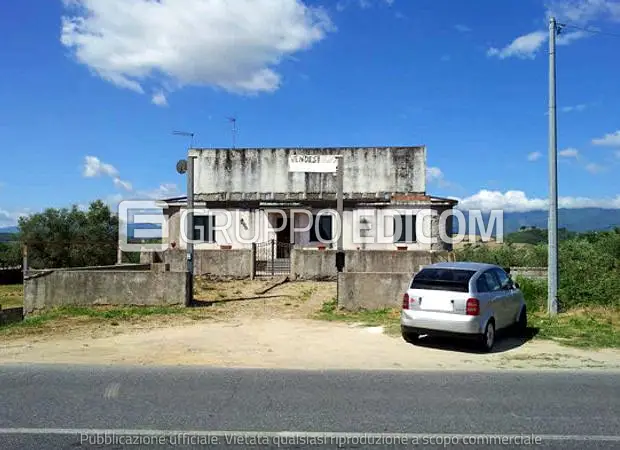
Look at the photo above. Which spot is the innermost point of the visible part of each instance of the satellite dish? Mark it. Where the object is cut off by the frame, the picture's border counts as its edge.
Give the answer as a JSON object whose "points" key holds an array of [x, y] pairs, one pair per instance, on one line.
{"points": [[182, 166]]}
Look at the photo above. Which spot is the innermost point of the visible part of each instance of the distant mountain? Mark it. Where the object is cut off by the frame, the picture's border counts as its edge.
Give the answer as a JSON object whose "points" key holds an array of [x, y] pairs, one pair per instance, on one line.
{"points": [[579, 220], [9, 230]]}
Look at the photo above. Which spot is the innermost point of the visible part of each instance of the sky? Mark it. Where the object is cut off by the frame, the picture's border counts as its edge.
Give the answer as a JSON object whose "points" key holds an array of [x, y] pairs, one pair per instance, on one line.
{"points": [[92, 90]]}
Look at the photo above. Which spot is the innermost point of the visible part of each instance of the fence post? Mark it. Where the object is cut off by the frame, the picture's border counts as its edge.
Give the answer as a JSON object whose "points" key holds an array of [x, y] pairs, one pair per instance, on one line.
{"points": [[273, 259], [25, 261], [253, 262]]}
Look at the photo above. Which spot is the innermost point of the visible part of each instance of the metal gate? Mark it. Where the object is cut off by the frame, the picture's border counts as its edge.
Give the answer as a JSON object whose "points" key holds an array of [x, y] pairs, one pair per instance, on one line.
{"points": [[272, 258]]}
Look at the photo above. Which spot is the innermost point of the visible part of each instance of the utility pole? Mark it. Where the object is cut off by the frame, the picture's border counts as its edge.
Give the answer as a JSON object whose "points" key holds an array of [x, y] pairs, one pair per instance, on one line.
{"points": [[552, 264], [340, 210], [187, 166], [190, 231], [340, 204]]}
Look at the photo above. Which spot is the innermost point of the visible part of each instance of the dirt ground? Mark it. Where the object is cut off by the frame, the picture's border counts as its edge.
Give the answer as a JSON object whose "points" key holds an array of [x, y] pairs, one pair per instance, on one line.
{"points": [[276, 331]]}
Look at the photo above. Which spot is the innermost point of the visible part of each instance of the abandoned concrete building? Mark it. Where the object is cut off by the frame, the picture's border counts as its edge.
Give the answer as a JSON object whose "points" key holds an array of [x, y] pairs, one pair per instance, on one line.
{"points": [[258, 206]]}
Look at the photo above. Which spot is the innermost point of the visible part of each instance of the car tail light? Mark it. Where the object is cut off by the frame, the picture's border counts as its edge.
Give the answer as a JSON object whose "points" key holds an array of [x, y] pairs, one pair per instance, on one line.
{"points": [[472, 307], [406, 301]]}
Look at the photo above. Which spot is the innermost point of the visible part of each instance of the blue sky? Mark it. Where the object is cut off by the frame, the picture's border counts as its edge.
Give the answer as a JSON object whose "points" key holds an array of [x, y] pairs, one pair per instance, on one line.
{"points": [[91, 91]]}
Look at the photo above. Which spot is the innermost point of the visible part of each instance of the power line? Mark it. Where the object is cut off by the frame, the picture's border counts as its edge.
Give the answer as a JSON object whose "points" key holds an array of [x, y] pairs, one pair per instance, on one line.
{"points": [[589, 30]]}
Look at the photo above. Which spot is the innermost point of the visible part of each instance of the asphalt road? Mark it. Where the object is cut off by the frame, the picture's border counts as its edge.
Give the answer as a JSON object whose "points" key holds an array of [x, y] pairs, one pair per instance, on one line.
{"points": [[50, 407]]}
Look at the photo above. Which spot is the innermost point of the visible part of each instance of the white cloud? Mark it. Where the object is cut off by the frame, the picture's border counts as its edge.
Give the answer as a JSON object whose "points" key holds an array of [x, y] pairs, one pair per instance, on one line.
{"points": [[584, 11], [576, 11], [577, 108], [534, 156], [566, 38], [609, 140], [341, 5], [526, 46], [594, 168], [569, 153], [523, 47], [446, 58], [163, 191], [462, 28], [433, 174], [517, 201], [94, 167], [113, 201], [235, 46], [159, 99], [123, 184], [436, 176], [10, 218]]}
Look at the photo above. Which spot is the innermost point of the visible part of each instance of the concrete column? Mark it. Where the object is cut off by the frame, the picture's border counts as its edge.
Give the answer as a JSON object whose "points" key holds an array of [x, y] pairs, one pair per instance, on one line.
{"points": [[253, 262]]}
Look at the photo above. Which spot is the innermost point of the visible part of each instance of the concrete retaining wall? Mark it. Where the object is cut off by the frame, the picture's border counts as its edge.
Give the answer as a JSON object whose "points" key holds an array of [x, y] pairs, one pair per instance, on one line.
{"points": [[102, 287], [529, 272], [112, 268], [378, 290], [218, 263], [321, 264], [371, 290]]}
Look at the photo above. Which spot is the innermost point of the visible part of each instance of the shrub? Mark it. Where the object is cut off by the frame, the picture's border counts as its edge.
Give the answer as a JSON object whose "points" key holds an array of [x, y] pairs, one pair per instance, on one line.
{"points": [[535, 293], [589, 268]]}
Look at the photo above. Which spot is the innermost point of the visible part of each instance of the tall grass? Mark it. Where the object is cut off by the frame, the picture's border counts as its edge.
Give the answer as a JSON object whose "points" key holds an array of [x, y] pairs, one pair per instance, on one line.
{"points": [[589, 268]]}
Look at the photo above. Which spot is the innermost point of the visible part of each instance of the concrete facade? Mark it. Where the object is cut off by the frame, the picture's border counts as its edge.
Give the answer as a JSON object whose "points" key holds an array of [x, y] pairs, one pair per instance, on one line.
{"points": [[252, 196], [365, 227], [263, 174], [371, 290], [56, 288]]}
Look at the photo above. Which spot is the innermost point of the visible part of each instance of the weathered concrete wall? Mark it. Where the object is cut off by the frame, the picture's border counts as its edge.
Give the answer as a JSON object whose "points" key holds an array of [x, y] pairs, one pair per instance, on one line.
{"points": [[320, 265], [259, 173], [219, 263], [113, 268], [87, 287], [529, 272], [371, 290]]}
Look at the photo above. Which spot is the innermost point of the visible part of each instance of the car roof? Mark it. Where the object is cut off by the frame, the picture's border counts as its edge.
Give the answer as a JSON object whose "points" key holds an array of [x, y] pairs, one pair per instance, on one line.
{"points": [[462, 265]]}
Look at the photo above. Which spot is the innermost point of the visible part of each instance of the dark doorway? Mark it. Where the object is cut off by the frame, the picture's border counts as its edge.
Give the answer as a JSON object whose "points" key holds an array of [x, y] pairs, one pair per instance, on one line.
{"points": [[283, 237]]}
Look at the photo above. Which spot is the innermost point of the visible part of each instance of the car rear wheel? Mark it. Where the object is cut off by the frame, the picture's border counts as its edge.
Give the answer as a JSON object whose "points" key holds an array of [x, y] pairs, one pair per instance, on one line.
{"points": [[521, 325], [487, 339], [411, 338]]}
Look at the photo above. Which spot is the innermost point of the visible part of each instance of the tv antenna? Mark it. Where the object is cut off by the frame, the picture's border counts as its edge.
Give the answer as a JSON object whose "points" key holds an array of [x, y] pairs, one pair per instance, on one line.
{"points": [[186, 134], [233, 121]]}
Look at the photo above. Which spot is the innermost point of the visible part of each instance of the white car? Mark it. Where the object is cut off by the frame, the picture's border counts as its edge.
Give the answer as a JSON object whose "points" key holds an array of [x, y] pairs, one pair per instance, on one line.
{"points": [[464, 299]]}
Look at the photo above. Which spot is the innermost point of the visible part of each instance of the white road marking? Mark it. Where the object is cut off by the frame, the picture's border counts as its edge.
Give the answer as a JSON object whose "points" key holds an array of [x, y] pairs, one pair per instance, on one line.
{"points": [[306, 434], [111, 391]]}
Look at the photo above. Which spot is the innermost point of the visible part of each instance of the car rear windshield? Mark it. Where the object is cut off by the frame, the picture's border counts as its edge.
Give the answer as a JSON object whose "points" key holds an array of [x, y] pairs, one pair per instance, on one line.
{"points": [[443, 279]]}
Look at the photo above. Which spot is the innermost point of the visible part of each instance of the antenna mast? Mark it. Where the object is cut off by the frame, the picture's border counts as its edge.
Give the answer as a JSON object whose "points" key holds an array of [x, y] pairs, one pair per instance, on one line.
{"points": [[233, 120]]}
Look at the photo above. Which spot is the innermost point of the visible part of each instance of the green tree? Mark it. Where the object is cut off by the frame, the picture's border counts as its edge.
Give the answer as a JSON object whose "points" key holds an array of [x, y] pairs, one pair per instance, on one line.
{"points": [[10, 254], [69, 237]]}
